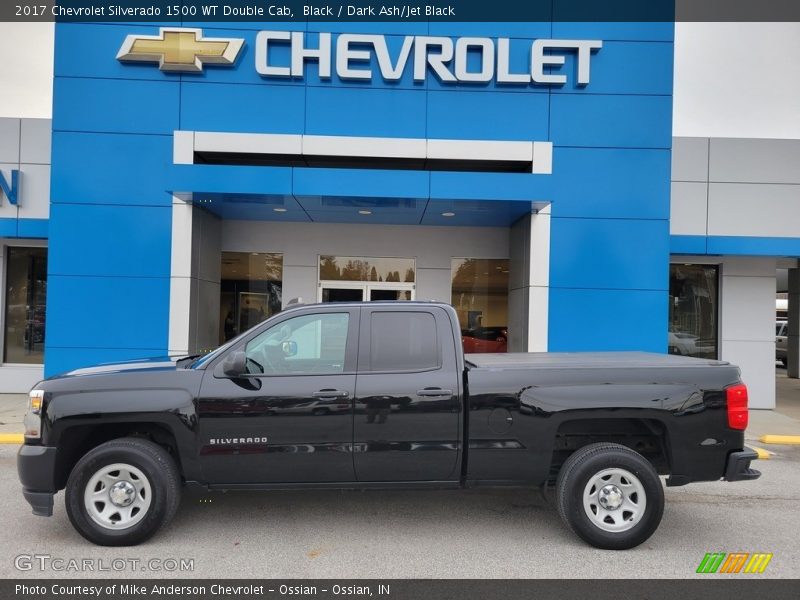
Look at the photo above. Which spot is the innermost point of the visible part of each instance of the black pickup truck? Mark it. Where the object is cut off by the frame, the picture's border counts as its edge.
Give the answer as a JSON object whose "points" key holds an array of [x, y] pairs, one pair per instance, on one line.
{"points": [[368, 395]]}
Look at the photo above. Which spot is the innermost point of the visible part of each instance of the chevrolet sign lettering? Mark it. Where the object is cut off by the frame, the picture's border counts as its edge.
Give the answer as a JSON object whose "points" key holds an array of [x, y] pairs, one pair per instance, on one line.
{"points": [[10, 186], [464, 59], [446, 57]]}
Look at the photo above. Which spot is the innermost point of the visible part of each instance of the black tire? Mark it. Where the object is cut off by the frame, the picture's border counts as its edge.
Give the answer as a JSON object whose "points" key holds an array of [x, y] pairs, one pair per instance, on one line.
{"points": [[162, 476], [572, 483]]}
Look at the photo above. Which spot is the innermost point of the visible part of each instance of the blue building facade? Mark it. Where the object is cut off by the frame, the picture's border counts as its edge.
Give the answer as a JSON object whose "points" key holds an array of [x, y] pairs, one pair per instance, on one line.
{"points": [[116, 177]]}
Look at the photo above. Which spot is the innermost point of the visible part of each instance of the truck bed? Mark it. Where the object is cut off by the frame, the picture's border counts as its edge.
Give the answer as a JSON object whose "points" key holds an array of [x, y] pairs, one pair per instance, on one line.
{"points": [[584, 360]]}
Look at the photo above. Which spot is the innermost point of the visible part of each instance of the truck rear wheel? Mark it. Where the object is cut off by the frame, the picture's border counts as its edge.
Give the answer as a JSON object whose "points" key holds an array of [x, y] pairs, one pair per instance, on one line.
{"points": [[121, 492], [610, 496]]}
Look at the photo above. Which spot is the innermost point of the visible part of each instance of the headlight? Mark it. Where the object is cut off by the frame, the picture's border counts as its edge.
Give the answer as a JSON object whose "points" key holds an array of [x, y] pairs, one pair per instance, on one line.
{"points": [[33, 418]]}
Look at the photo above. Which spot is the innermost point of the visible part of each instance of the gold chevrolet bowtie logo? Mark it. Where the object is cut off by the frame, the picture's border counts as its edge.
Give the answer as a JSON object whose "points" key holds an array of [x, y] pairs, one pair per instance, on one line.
{"points": [[178, 49]]}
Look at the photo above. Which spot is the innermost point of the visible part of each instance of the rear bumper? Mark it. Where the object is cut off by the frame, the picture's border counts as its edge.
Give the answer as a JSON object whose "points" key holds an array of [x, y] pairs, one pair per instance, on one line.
{"points": [[738, 467], [36, 466], [41, 502]]}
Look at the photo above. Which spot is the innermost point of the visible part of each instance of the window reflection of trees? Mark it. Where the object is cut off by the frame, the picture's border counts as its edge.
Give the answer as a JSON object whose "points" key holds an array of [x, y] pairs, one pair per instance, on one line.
{"points": [[349, 268]]}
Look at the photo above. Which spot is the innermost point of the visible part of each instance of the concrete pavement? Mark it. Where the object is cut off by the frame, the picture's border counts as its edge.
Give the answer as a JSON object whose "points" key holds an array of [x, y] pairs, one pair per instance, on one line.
{"points": [[425, 534]]}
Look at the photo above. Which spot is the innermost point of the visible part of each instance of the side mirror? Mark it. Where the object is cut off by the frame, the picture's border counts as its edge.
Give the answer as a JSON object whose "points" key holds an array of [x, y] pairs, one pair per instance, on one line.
{"points": [[289, 348], [235, 364]]}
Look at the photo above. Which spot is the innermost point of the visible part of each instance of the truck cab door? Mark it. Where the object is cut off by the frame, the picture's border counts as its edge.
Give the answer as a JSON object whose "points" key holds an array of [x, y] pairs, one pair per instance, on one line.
{"points": [[289, 417], [407, 410]]}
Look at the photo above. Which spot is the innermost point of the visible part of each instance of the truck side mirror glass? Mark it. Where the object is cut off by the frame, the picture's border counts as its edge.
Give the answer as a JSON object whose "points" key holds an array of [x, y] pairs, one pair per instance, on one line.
{"points": [[289, 348], [235, 364]]}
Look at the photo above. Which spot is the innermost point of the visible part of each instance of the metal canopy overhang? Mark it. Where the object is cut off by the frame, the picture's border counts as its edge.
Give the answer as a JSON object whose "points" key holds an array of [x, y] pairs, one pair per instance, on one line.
{"points": [[350, 209], [268, 186]]}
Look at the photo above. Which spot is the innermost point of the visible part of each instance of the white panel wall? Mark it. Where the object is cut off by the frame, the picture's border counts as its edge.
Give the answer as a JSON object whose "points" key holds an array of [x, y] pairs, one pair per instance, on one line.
{"points": [[689, 208], [735, 187], [194, 280], [765, 210], [747, 331], [738, 160], [528, 299], [180, 283], [20, 379], [25, 146], [689, 159]]}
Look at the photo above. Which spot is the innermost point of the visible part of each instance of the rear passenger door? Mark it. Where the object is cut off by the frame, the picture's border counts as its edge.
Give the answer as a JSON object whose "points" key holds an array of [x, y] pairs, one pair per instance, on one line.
{"points": [[407, 410]]}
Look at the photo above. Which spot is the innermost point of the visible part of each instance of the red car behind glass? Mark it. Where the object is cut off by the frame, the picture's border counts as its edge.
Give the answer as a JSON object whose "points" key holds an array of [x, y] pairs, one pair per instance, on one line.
{"points": [[485, 339]]}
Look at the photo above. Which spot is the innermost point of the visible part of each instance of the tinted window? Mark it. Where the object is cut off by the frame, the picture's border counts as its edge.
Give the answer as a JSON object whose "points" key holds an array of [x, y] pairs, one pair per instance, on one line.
{"points": [[250, 291], [362, 268], [693, 310], [403, 341], [26, 293], [304, 345], [480, 297]]}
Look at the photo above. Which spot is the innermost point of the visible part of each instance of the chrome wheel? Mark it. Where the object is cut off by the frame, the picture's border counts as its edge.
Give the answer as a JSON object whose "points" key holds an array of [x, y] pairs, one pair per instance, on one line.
{"points": [[614, 500], [117, 496]]}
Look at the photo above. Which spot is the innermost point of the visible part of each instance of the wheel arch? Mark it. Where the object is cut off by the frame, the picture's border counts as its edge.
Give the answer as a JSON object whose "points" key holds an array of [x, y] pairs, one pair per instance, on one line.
{"points": [[646, 436], [77, 440]]}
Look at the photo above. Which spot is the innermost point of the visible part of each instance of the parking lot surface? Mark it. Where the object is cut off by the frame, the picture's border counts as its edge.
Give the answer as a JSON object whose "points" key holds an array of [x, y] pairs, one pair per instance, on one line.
{"points": [[420, 534]]}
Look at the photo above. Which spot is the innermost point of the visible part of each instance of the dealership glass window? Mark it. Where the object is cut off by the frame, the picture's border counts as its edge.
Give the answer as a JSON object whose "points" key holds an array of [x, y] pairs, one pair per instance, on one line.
{"points": [[693, 310], [480, 297], [360, 268], [250, 290], [26, 294]]}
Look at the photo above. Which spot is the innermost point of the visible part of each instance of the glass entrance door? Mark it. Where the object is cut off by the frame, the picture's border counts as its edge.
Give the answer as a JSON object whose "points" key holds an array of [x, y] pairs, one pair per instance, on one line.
{"points": [[331, 293], [390, 293], [336, 291], [364, 278]]}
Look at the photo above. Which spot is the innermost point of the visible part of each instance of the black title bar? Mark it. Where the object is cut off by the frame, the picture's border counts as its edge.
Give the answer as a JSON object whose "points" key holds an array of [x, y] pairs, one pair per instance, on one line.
{"points": [[710, 588], [181, 11]]}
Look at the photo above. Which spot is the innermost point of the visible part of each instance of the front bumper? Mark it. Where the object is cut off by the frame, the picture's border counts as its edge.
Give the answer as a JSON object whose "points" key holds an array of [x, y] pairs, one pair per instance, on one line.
{"points": [[36, 466], [738, 467]]}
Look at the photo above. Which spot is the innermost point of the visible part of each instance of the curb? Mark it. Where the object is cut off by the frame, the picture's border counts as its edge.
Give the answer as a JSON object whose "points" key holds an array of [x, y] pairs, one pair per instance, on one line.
{"points": [[11, 438], [762, 454], [788, 440]]}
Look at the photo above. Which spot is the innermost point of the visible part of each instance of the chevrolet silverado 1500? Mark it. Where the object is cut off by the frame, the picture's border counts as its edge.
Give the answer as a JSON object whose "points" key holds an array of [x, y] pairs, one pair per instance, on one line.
{"points": [[375, 395]]}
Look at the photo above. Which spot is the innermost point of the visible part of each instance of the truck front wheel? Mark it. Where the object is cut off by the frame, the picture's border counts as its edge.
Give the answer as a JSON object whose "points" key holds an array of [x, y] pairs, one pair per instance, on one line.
{"points": [[610, 496], [121, 492]]}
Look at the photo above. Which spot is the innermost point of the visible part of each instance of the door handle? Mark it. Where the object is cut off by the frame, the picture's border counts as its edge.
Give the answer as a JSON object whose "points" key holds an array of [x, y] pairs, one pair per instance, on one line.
{"points": [[331, 394], [434, 392]]}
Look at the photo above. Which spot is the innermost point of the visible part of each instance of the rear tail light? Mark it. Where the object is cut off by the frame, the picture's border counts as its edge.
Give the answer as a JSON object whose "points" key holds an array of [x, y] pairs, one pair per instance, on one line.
{"points": [[736, 397]]}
